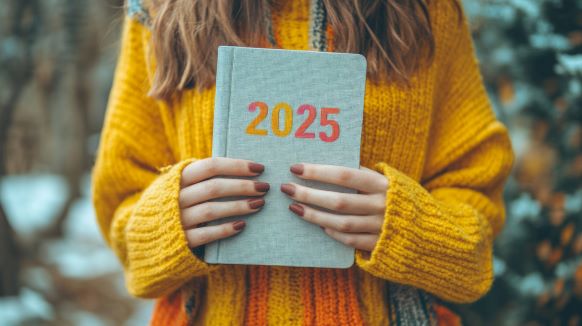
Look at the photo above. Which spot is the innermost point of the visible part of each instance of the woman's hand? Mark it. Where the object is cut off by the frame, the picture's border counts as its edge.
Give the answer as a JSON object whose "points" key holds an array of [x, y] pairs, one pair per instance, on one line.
{"points": [[197, 189], [356, 219]]}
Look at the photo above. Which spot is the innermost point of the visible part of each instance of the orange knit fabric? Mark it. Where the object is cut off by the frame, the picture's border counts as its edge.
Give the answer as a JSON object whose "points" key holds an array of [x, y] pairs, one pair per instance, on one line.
{"points": [[169, 311], [446, 317], [308, 299], [258, 296], [330, 303], [329, 34]]}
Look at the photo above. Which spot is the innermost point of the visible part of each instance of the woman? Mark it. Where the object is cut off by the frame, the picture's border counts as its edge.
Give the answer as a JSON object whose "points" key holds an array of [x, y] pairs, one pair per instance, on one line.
{"points": [[434, 160]]}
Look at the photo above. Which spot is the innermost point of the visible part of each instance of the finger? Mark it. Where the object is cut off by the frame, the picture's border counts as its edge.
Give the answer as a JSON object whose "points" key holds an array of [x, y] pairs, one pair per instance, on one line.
{"points": [[367, 169], [213, 166], [364, 241], [206, 234], [343, 223], [220, 187], [366, 181], [344, 203], [209, 211]]}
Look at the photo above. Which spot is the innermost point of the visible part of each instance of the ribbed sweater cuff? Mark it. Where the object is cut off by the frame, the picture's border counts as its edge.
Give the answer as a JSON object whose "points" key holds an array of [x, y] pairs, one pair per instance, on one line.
{"points": [[386, 260], [158, 253], [418, 245]]}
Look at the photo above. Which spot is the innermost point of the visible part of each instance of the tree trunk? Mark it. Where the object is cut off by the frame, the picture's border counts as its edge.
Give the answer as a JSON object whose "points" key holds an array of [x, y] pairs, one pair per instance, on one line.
{"points": [[9, 282], [19, 70]]}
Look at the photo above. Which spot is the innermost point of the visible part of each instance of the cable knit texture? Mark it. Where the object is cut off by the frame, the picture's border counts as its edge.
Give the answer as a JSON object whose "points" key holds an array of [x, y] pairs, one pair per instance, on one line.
{"points": [[437, 141]]}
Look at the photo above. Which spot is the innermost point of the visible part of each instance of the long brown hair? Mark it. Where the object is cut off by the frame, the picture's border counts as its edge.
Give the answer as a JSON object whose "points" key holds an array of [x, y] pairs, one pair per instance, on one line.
{"points": [[395, 36]]}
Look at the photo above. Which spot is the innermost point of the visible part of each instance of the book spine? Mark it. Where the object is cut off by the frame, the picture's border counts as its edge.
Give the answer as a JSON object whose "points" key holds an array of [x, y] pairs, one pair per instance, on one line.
{"points": [[224, 61], [222, 100]]}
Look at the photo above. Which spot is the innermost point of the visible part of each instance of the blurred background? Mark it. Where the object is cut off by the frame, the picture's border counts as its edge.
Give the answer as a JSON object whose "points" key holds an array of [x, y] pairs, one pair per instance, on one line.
{"points": [[56, 66]]}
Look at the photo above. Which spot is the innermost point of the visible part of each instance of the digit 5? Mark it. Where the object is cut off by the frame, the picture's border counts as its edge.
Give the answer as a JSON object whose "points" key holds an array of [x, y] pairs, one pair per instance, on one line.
{"points": [[335, 130]]}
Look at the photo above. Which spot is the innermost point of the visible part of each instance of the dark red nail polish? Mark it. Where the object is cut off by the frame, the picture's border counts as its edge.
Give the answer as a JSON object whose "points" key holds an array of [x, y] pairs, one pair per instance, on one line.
{"points": [[239, 225], [256, 203], [289, 189], [262, 186], [297, 209], [256, 167], [297, 169]]}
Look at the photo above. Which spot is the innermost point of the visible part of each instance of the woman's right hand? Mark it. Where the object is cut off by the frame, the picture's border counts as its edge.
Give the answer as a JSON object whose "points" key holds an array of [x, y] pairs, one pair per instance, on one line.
{"points": [[197, 189]]}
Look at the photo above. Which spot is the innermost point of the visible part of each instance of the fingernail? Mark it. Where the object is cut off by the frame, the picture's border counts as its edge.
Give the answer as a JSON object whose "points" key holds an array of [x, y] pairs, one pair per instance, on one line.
{"points": [[297, 169], [261, 186], [256, 167], [289, 189], [239, 225], [297, 209], [256, 203]]}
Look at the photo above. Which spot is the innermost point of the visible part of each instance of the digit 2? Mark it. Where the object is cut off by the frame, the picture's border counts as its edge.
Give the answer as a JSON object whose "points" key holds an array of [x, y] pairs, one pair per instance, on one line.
{"points": [[300, 133], [263, 110]]}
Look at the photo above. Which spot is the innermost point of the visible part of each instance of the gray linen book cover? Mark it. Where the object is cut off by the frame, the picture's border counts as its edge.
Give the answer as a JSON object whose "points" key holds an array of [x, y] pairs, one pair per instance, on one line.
{"points": [[280, 107]]}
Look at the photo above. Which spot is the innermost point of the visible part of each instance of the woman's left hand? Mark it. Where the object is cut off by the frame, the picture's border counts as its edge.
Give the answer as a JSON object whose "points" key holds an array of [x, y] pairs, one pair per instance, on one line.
{"points": [[356, 218]]}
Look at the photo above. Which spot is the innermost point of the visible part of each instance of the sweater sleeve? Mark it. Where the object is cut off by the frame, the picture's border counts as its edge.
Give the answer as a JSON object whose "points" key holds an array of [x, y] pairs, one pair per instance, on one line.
{"points": [[136, 181], [438, 233]]}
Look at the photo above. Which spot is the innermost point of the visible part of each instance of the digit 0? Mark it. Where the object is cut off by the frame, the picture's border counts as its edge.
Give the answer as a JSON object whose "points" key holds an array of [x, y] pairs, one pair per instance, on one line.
{"points": [[288, 119]]}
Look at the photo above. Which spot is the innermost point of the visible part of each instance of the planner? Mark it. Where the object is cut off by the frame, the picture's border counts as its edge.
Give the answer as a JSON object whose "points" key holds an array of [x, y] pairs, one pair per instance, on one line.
{"points": [[279, 107]]}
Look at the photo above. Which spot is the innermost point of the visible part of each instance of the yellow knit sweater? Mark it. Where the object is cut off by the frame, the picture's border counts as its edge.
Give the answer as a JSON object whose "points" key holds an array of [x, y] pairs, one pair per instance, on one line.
{"points": [[438, 142]]}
